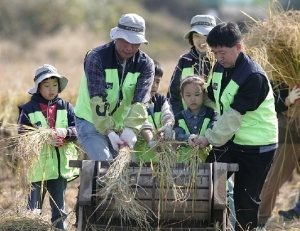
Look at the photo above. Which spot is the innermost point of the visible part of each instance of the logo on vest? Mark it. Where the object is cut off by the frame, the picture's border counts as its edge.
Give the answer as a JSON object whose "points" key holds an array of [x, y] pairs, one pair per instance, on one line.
{"points": [[109, 86], [215, 86]]}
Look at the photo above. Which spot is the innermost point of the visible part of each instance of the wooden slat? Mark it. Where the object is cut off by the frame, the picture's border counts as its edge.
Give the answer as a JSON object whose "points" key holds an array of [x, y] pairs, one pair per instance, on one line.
{"points": [[147, 193], [220, 191], [86, 182]]}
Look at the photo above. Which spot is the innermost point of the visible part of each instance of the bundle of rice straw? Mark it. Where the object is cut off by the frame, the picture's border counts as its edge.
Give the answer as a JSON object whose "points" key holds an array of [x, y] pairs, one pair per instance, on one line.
{"points": [[274, 43], [117, 190], [27, 147], [192, 160], [10, 221], [162, 170]]}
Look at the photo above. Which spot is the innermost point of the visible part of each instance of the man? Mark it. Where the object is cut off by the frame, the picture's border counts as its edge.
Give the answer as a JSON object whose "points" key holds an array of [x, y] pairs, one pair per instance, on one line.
{"points": [[116, 83], [246, 132], [288, 153]]}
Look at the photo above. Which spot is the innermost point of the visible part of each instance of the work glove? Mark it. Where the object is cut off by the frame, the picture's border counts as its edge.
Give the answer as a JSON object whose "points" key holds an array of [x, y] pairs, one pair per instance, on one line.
{"points": [[61, 132], [136, 116], [129, 137], [224, 128], [167, 129], [193, 140], [57, 141], [115, 140], [152, 144], [294, 94]]}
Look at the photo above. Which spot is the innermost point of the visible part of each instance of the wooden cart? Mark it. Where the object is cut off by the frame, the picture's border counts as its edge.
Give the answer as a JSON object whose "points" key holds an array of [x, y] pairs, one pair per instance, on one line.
{"points": [[206, 211]]}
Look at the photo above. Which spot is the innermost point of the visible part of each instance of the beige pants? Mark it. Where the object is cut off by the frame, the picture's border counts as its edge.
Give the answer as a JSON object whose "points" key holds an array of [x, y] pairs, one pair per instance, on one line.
{"points": [[285, 161]]}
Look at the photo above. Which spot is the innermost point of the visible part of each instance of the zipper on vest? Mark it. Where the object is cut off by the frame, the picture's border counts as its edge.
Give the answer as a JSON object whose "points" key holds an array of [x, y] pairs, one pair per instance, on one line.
{"points": [[120, 89]]}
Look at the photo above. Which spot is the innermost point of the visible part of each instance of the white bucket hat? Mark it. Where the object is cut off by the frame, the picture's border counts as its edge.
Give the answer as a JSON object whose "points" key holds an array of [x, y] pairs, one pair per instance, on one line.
{"points": [[131, 27], [202, 24], [44, 72]]}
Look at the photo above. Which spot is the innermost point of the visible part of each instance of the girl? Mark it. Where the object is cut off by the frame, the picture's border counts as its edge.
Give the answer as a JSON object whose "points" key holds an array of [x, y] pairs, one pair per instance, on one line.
{"points": [[193, 121]]}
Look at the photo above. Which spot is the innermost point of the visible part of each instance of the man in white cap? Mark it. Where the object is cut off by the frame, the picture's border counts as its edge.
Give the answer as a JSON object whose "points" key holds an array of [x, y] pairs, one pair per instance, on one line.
{"points": [[115, 86]]}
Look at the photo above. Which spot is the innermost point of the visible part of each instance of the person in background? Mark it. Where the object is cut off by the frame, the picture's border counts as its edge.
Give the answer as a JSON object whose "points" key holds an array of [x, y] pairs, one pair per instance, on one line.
{"points": [[286, 158], [246, 132], [160, 121], [48, 111], [193, 121], [116, 84], [195, 61]]}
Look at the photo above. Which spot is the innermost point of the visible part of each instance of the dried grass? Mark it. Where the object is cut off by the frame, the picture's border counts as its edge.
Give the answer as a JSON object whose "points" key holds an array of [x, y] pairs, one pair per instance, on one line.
{"points": [[26, 149], [277, 39], [116, 190], [10, 221]]}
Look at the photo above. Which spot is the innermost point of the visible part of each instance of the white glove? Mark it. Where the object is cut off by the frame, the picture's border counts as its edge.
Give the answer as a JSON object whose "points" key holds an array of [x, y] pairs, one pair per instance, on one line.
{"points": [[61, 132], [167, 129], [193, 140], [294, 95], [152, 144], [129, 137], [57, 141], [115, 140]]}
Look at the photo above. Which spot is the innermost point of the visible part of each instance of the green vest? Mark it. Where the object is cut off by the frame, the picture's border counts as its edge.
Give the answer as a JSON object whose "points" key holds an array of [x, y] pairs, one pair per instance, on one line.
{"points": [[142, 151], [185, 151], [83, 109], [49, 167], [258, 127]]}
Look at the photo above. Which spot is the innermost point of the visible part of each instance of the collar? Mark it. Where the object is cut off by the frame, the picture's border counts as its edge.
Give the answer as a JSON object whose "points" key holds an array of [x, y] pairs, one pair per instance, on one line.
{"points": [[39, 98], [189, 114]]}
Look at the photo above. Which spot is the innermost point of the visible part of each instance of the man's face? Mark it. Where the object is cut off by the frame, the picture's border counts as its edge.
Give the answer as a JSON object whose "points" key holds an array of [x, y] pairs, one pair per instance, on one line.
{"points": [[125, 49], [227, 56]]}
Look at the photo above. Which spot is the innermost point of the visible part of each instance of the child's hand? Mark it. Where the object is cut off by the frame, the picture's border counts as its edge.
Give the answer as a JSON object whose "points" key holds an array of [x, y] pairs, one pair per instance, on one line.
{"points": [[167, 129], [57, 141], [193, 140], [61, 132]]}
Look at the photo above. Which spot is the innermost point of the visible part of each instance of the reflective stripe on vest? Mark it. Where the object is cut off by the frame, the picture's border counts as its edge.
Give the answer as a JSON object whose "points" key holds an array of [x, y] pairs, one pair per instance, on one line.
{"points": [[184, 151], [258, 127], [47, 166], [83, 109]]}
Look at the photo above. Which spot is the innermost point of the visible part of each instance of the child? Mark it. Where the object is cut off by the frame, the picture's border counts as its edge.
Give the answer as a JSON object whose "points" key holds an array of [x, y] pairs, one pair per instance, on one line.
{"points": [[194, 120], [160, 120], [51, 173], [196, 61]]}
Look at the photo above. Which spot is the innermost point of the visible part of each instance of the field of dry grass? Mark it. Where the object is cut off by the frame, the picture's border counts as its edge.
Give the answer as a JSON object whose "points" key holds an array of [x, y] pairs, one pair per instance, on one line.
{"points": [[66, 51]]}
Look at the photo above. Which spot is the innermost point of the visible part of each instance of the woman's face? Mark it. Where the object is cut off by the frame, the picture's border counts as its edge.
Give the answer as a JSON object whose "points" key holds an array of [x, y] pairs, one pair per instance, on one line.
{"points": [[199, 41]]}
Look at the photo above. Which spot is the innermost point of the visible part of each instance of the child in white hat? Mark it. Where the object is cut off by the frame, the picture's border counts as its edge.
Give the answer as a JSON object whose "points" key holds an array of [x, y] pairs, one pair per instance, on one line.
{"points": [[51, 172]]}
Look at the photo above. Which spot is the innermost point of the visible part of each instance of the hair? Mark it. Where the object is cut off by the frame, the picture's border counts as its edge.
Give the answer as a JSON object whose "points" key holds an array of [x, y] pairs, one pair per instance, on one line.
{"points": [[195, 79], [190, 38], [225, 34], [159, 71]]}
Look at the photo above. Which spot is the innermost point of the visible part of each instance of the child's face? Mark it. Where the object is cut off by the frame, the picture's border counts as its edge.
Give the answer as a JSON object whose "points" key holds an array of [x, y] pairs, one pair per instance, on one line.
{"points": [[48, 88], [199, 41], [193, 97], [155, 85]]}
